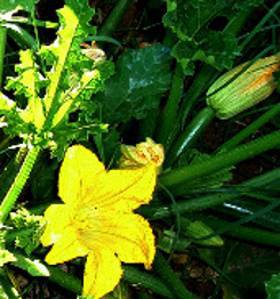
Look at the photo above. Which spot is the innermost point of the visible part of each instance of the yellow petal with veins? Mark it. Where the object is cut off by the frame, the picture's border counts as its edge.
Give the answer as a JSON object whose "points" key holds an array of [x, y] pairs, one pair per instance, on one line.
{"points": [[55, 224], [102, 273], [79, 169], [123, 190], [128, 235], [66, 248]]}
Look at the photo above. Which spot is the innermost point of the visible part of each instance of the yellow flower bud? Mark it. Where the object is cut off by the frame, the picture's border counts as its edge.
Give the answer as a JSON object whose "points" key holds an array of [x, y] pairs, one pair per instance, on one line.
{"points": [[243, 87], [142, 154]]}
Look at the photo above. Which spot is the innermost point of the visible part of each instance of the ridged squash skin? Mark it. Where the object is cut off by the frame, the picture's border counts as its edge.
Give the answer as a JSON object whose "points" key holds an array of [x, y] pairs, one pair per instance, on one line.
{"points": [[243, 87]]}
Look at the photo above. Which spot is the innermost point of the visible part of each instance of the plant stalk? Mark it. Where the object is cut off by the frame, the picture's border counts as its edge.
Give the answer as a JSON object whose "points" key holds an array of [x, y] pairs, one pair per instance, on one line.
{"points": [[190, 134], [208, 201], [206, 74], [18, 184], [65, 280], [251, 128], [7, 290], [3, 38], [175, 177], [164, 271], [248, 234], [169, 114], [115, 17], [146, 280]]}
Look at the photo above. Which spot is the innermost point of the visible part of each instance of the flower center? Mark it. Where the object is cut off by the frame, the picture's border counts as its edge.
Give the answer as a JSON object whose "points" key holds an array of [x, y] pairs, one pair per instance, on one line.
{"points": [[86, 219]]}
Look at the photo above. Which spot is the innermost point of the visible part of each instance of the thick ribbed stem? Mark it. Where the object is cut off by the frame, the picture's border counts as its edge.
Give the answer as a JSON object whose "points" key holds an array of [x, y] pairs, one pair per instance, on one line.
{"points": [[3, 37], [178, 176], [169, 115], [190, 134], [18, 184]]}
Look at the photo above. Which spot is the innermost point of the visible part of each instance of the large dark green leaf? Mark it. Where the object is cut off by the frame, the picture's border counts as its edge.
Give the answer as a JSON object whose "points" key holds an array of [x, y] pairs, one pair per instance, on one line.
{"points": [[10, 5], [200, 40], [139, 74]]}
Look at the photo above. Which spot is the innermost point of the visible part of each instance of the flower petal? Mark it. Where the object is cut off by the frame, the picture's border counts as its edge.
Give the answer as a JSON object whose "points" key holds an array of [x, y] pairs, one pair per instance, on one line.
{"points": [[66, 248], [124, 190], [77, 174], [102, 273], [128, 235], [57, 218]]}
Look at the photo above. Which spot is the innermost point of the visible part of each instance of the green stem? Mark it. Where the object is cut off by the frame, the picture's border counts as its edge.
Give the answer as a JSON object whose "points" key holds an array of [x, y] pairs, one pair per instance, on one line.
{"points": [[201, 81], [205, 202], [7, 290], [166, 273], [10, 171], [18, 184], [178, 176], [190, 134], [248, 234], [149, 123], [143, 279], [199, 85], [169, 114], [247, 211], [115, 17], [3, 37], [65, 280], [4, 144], [56, 275], [251, 129]]}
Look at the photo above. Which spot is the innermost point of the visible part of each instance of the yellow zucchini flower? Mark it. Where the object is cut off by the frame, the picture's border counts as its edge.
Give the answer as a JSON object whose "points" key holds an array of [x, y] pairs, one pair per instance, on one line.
{"points": [[243, 87], [96, 219]]}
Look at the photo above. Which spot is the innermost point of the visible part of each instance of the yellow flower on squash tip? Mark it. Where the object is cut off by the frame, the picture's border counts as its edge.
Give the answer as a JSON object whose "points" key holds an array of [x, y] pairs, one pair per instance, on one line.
{"points": [[243, 87], [96, 219]]}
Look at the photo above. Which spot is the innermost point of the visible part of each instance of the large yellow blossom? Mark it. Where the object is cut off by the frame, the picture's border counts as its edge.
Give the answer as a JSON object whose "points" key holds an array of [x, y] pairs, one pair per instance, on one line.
{"points": [[97, 219]]}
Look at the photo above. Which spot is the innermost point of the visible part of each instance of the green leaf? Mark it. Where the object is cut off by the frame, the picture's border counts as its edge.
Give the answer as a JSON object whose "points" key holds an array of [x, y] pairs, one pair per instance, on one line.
{"points": [[90, 81], [6, 104], [187, 52], [168, 241], [9, 5], [21, 36], [70, 79], [28, 83], [273, 287], [6, 257], [191, 22], [33, 267], [61, 50], [30, 228], [64, 57], [139, 73], [199, 231]]}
